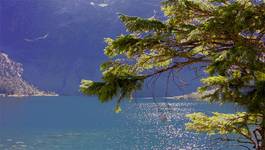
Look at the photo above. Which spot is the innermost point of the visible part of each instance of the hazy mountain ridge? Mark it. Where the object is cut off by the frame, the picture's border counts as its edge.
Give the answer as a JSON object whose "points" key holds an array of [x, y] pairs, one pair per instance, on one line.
{"points": [[11, 82]]}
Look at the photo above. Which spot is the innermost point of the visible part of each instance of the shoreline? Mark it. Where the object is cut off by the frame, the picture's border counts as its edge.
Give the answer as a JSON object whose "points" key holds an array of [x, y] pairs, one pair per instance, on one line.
{"points": [[190, 96], [21, 96]]}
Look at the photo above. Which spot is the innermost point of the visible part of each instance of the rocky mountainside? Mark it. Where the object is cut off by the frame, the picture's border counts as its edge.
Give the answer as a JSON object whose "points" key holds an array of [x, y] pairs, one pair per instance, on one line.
{"points": [[11, 82]]}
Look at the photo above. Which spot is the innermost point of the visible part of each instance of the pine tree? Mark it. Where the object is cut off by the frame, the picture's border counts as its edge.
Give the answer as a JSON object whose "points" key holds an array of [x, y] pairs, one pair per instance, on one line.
{"points": [[223, 36]]}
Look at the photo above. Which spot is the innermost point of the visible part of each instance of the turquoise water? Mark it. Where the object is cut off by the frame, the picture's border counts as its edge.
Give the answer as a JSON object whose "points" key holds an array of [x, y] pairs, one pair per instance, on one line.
{"points": [[82, 123]]}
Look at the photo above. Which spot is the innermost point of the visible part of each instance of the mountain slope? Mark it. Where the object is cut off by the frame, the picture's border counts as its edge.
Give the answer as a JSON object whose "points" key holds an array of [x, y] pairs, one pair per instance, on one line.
{"points": [[11, 82]]}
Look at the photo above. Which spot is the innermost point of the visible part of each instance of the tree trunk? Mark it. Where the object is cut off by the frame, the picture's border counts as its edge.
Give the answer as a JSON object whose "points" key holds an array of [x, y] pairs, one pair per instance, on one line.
{"points": [[262, 134], [262, 146]]}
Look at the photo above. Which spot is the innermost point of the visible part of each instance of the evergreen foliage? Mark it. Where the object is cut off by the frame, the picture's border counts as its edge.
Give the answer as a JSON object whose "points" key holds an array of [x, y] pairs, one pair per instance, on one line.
{"points": [[225, 36]]}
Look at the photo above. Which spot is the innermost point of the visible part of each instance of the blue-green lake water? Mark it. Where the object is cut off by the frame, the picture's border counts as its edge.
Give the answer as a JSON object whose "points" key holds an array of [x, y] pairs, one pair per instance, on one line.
{"points": [[82, 123]]}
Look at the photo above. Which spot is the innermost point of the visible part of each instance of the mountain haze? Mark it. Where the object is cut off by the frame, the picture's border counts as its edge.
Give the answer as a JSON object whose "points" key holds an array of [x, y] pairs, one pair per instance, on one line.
{"points": [[61, 42]]}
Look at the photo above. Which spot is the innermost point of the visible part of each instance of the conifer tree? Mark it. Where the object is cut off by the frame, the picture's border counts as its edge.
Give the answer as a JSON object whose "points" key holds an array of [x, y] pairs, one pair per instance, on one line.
{"points": [[226, 37]]}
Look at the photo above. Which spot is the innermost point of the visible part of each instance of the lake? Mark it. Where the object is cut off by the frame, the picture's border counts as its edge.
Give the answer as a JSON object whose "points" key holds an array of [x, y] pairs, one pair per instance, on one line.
{"points": [[83, 123]]}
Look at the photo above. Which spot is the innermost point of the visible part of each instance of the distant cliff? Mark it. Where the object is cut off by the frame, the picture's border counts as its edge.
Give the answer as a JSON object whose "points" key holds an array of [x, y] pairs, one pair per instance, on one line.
{"points": [[11, 82]]}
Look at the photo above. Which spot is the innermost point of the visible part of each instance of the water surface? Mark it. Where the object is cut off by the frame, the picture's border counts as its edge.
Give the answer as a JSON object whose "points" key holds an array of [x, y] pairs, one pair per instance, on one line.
{"points": [[82, 123]]}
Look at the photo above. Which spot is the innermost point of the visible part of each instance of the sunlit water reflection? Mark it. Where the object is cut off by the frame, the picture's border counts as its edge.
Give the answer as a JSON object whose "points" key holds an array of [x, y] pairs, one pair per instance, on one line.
{"points": [[79, 123]]}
